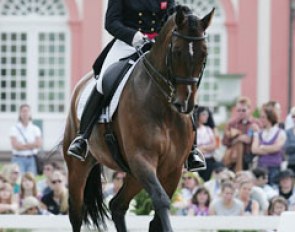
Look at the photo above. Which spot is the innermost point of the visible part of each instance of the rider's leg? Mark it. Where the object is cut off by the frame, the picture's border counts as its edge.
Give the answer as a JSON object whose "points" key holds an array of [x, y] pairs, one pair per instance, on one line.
{"points": [[196, 160], [92, 111]]}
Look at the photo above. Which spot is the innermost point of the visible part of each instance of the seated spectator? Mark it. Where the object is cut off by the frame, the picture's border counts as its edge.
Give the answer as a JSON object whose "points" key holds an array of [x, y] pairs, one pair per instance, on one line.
{"points": [[2, 180], [7, 203], [213, 185], [56, 201], [251, 206], [206, 141], [190, 184], [112, 189], [200, 203], [269, 142], [11, 173], [28, 187], [286, 187], [277, 206], [290, 143], [44, 185], [238, 134], [261, 180], [226, 204], [31, 206], [256, 194]]}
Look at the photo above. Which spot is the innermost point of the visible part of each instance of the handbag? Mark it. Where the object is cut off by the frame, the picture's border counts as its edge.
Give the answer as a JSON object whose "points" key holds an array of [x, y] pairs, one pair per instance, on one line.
{"points": [[38, 161]]}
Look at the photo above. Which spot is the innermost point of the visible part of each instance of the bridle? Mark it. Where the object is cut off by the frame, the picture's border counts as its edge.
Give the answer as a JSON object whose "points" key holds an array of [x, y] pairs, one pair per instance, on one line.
{"points": [[172, 80]]}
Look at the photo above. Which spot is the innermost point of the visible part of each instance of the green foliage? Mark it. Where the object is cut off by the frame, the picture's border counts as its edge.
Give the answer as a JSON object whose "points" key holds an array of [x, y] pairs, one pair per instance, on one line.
{"points": [[256, 113], [143, 204]]}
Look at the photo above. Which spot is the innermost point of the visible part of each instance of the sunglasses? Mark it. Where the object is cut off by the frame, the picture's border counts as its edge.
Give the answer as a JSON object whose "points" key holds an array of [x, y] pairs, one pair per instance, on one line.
{"points": [[241, 110], [187, 178], [55, 181]]}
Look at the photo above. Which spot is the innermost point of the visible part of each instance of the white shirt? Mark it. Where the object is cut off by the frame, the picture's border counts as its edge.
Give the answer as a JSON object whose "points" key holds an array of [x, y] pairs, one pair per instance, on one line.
{"points": [[31, 133], [205, 136], [268, 134]]}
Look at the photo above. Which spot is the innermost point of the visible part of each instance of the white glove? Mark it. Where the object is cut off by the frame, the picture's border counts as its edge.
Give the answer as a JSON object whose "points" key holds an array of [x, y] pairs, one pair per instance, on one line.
{"points": [[138, 39]]}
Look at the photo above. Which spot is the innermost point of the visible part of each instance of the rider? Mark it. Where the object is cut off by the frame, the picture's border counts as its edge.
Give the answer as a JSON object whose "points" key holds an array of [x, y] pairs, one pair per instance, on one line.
{"points": [[130, 22]]}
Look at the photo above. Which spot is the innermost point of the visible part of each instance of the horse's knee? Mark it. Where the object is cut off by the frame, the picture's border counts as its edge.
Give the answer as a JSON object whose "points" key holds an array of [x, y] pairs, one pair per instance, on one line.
{"points": [[161, 201]]}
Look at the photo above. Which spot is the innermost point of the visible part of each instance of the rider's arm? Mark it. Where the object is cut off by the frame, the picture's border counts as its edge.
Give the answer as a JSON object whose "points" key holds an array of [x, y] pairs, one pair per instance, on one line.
{"points": [[114, 22]]}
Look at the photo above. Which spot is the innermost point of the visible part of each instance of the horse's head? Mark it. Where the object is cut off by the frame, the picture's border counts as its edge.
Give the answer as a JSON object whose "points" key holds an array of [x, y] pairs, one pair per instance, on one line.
{"points": [[182, 40]]}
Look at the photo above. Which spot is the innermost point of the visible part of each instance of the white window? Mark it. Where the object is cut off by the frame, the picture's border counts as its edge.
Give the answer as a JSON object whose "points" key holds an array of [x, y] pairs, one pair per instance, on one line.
{"points": [[34, 55], [216, 60]]}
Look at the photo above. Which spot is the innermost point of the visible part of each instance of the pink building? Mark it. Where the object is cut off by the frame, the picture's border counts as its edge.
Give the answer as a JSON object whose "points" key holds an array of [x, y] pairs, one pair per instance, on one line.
{"points": [[46, 46]]}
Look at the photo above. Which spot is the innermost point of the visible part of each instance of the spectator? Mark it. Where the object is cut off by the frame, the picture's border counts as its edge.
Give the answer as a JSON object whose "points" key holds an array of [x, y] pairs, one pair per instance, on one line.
{"points": [[114, 187], [31, 206], [206, 141], [251, 206], [257, 194], [56, 201], [213, 185], [286, 186], [268, 143], [277, 107], [227, 204], [190, 184], [277, 206], [11, 173], [200, 203], [290, 143], [44, 185], [7, 202], [289, 121], [2, 180], [25, 140], [28, 187], [261, 180], [238, 137]]}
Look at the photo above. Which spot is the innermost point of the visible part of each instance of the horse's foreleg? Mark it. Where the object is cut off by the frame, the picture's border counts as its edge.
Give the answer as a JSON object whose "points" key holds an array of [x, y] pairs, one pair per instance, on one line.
{"points": [[146, 174], [170, 186], [78, 173], [120, 203]]}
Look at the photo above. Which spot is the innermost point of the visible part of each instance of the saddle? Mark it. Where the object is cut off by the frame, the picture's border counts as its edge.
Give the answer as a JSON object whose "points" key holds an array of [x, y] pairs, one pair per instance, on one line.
{"points": [[111, 80]]}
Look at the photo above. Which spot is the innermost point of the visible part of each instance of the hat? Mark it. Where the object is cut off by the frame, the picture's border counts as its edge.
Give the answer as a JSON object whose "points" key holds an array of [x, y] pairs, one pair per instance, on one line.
{"points": [[28, 203], [286, 173]]}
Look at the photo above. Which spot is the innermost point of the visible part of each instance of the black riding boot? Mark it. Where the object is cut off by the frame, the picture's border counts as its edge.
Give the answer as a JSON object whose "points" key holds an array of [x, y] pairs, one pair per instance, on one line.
{"points": [[92, 111], [196, 160]]}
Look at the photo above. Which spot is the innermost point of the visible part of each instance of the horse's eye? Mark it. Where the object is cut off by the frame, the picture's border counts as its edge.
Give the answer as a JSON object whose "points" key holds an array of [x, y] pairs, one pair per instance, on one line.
{"points": [[177, 52]]}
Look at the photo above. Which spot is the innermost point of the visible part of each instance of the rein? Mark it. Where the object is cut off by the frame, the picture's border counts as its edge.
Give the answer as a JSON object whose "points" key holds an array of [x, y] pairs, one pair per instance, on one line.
{"points": [[172, 80]]}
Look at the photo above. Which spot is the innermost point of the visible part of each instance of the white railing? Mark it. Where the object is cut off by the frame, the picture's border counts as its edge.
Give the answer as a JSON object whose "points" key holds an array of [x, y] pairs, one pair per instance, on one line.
{"points": [[179, 223]]}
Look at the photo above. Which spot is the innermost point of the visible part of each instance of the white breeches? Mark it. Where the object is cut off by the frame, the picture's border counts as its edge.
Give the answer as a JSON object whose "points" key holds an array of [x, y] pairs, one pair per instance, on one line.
{"points": [[118, 51]]}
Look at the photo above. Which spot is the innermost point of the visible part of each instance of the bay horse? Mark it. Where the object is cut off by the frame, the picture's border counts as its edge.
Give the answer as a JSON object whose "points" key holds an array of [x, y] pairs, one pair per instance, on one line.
{"points": [[152, 124]]}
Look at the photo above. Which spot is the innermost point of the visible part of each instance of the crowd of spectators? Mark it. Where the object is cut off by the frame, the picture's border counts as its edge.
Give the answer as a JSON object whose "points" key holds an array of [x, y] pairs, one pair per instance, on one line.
{"points": [[255, 176]]}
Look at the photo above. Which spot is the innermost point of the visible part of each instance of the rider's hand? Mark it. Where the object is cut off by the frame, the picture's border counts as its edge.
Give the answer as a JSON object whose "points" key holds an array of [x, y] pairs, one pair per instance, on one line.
{"points": [[139, 39]]}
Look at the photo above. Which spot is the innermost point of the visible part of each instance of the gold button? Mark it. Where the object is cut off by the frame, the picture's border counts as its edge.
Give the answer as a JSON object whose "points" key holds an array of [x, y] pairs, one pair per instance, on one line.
{"points": [[140, 22], [152, 29], [153, 22], [154, 13], [139, 29], [140, 13]]}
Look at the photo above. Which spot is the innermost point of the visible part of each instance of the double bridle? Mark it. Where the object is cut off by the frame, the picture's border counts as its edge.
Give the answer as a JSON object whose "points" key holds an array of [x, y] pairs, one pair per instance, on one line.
{"points": [[172, 80]]}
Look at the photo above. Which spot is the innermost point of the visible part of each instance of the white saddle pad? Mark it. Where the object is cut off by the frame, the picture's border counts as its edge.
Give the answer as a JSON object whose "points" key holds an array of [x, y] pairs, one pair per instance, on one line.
{"points": [[107, 112]]}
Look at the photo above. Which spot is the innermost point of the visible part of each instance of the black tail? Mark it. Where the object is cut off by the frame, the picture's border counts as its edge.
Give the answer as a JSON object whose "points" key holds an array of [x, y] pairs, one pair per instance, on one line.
{"points": [[95, 210]]}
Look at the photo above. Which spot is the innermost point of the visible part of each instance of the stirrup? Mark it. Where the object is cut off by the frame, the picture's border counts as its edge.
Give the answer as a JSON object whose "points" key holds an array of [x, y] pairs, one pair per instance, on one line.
{"points": [[196, 161], [74, 145]]}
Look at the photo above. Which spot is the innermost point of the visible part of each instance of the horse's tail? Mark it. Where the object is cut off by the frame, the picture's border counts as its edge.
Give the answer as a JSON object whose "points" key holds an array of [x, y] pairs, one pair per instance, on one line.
{"points": [[95, 209]]}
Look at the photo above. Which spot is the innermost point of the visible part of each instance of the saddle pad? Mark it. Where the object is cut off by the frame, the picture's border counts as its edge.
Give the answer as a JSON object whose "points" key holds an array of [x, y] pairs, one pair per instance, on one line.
{"points": [[107, 112]]}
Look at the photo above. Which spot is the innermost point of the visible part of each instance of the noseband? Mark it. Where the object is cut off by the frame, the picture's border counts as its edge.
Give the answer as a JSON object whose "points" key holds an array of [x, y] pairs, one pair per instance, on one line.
{"points": [[172, 80]]}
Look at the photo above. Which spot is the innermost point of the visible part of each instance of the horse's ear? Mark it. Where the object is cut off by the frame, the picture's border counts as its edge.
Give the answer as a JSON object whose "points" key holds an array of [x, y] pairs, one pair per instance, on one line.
{"points": [[206, 21], [179, 17]]}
